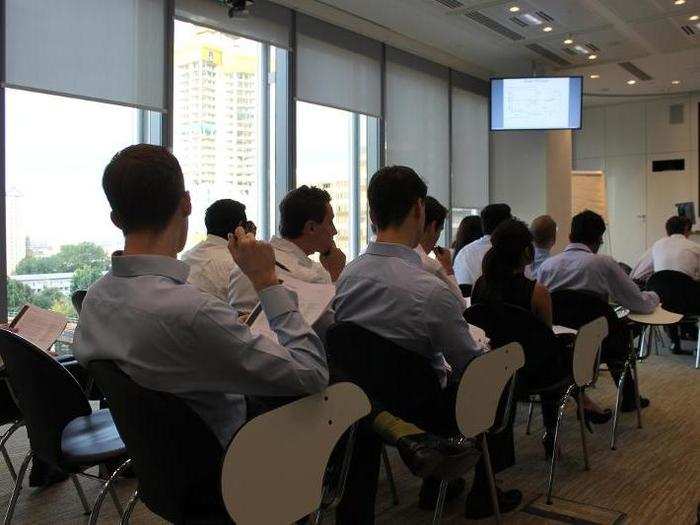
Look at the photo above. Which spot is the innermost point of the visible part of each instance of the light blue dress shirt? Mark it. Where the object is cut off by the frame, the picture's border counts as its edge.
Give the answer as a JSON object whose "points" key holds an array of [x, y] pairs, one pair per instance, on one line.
{"points": [[169, 336], [577, 268], [387, 291], [467, 263], [541, 255]]}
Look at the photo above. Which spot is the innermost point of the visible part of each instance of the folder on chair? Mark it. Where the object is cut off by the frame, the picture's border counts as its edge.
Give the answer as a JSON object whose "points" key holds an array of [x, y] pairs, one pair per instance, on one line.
{"points": [[38, 326]]}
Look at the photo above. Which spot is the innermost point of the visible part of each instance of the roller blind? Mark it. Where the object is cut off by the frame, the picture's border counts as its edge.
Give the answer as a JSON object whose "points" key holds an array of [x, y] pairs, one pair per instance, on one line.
{"points": [[470, 149], [266, 22], [105, 50], [336, 67], [417, 119]]}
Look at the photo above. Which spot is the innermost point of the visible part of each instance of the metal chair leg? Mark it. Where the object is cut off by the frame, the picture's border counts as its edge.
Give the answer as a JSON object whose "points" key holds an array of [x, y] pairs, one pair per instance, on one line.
{"points": [[18, 487], [553, 463], [106, 488], [618, 402], [8, 433], [583, 431], [81, 494], [130, 508], [390, 476], [115, 500], [697, 349], [492, 480], [529, 417], [637, 398], [440, 504]]}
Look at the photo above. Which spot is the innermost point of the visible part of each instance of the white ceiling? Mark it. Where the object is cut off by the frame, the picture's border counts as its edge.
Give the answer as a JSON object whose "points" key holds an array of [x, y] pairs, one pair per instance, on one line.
{"points": [[647, 33]]}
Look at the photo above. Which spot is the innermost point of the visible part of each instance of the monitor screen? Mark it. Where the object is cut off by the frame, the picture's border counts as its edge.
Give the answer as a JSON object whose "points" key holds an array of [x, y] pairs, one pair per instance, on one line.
{"points": [[536, 103]]}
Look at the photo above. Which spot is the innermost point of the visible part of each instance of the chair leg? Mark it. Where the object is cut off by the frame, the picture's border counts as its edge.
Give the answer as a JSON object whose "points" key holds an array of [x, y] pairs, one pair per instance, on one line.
{"points": [[583, 431], [390, 476], [107, 488], [637, 398], [529, 417], [18, 487], [618, 402], [492, 479], [697, 349], [81, 494], [115, 500], [553, 463], [440, 504], [8, 433], [126, 516]]}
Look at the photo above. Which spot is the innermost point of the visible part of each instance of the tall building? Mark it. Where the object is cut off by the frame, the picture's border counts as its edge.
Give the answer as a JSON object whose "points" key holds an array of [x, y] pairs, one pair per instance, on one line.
{"points": [[216, 92], [16, 229]]}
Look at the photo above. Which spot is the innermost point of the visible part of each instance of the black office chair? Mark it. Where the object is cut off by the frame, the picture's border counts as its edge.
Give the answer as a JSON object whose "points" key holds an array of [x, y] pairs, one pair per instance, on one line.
{"points": [[575, 308], [678, 293], [63, 430], [77, 299], [9, 415], [176, 457]]}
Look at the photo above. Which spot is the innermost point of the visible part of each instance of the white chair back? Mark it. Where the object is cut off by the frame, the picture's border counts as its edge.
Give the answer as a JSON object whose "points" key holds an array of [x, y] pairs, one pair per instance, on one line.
{"points": [[482, 386], [589, 339], [273, 469]]}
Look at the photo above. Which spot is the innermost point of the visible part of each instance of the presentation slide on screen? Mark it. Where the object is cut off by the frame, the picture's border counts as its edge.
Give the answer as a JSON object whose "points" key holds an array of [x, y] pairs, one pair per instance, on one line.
{"points": [[535, 103]]}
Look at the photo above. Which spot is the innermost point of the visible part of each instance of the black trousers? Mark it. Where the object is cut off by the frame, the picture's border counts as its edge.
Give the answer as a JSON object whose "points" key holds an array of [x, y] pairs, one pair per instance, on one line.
{"points": [[615, 349]]}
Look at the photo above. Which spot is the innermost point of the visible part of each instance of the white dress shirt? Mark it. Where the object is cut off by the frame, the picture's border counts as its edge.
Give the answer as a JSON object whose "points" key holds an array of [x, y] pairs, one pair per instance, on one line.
{"points": [[577, 268], [210, 265], [644, 267], [677, 253], [434, 267], [168, 336], [468, 261], [242, 295]]}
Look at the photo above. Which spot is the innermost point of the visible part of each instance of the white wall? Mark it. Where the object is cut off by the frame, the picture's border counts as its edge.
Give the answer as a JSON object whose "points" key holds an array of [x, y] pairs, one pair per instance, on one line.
{"points": [[623, 140]]}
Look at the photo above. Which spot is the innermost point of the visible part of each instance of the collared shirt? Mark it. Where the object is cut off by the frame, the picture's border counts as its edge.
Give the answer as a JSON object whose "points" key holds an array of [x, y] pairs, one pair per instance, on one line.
{"points": [[468, 261], [434, 267], [541, 255], [168, 336], [387, 291], [644, 267], [210, 265], [677, 253], [577, 268], [242, 295]]}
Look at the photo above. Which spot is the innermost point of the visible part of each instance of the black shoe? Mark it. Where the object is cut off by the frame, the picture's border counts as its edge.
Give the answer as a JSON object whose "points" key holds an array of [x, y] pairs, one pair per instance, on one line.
{"points": [[44, 475], [479, 503], [430, 489], [597, 418], [427, 455], [631, 406]]}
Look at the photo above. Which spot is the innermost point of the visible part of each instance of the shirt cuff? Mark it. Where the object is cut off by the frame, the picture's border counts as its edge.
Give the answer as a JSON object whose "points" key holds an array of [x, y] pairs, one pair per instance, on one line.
{"points": [[277, 300]]}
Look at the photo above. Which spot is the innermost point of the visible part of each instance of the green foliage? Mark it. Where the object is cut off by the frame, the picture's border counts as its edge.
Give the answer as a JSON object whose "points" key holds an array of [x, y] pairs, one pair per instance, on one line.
{"points": [[69, 258], [18, 294], [84, 277], [47, 297]]}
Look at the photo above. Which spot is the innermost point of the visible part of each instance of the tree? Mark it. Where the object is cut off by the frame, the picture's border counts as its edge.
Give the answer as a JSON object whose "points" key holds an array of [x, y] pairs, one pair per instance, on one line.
{"points": [[47, 297], [84, 277], [18, 294], [62, 305], [69, 258]]}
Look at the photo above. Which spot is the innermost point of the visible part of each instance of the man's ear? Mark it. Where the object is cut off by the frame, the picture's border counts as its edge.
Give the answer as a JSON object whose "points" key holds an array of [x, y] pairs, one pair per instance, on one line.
{"points": [[186, 204], [115, 219], [309, 227]]}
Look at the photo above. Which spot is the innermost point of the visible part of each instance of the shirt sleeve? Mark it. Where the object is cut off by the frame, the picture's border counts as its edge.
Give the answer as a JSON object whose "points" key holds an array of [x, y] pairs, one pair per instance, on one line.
{"points": [[460, 267], [241, 294], [644, 268], [449, 331], [625, 292], [232, 359]]}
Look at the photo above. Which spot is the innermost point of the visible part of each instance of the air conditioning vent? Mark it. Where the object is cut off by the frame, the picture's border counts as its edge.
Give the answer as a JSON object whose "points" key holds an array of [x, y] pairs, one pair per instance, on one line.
{"points": [[688, 30], [517, 21], [593, 47], [635, 71], [493, 25], [452, 4], [544, 16], [546, 53]]}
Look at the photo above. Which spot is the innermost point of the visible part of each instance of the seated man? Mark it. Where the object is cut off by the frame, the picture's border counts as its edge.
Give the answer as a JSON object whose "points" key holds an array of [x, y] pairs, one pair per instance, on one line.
{"points": [[387, 291], [468, 261], [580, 267], [676, 252], [210, 261], [169, 336], [544, 233], [306, 227], [441, 267]]}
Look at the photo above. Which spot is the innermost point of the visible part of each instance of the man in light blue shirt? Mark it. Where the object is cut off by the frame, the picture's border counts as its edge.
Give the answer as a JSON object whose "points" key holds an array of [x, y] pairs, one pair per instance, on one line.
{"points": [[580, 267], [388, 292], [544, 233], [467, 264], [169, 336]]}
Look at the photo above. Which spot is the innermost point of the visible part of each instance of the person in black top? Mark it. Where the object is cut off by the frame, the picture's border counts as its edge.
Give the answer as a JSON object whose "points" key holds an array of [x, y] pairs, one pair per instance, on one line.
{"points": [[503, 281]]}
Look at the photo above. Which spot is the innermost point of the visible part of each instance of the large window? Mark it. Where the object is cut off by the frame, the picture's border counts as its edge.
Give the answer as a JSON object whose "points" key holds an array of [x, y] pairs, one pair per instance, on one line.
{"points": [[221, 129], [59, 234]]}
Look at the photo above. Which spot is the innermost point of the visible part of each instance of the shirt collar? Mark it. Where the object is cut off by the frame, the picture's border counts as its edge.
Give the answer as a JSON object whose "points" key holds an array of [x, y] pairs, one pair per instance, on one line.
{"points": [[289, 247], [401, 251], [577, 247], [137, 265], [677, 236], [541, 251], [216, 240]]}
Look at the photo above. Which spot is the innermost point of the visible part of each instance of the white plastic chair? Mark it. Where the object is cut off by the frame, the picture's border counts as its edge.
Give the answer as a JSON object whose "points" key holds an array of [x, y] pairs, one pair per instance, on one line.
{"points": [[586, 360], [478, 396], [285, 452]]}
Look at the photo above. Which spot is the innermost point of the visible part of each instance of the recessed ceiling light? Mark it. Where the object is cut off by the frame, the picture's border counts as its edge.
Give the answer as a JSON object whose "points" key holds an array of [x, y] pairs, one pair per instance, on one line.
{"points": [[569, 41], [675, 82], [594, 76], [514, 9], [592, 57], [631, 82], [694, 18], [679, 2], [547, 29]]}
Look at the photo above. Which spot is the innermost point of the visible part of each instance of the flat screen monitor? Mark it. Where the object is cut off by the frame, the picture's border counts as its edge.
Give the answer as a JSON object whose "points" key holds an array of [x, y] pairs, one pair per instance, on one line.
{"points": [[687, 210], [536, 103]]}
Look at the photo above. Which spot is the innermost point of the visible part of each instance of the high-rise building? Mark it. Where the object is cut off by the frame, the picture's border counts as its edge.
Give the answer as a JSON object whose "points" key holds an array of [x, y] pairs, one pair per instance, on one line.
{"points": [[216, 102], [16, 229]]}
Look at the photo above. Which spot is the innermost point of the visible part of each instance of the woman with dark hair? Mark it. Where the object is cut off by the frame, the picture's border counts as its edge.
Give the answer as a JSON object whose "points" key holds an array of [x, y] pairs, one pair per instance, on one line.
{"points": [[470, 229], [503, 281]]}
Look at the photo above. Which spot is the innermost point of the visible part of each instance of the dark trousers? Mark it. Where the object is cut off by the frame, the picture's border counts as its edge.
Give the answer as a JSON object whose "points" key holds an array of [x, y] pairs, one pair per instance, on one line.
{"points": [[615, 349]]}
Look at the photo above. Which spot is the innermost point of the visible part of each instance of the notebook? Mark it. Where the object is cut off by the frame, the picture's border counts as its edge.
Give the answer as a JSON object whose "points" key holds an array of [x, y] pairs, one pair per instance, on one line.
{"points": [[38, 326]]}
